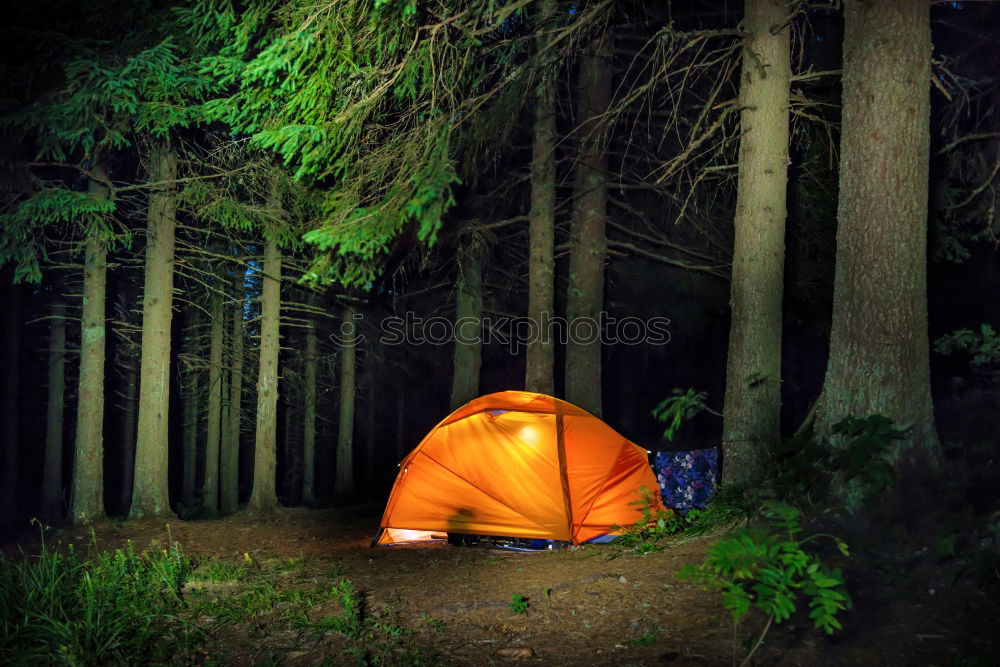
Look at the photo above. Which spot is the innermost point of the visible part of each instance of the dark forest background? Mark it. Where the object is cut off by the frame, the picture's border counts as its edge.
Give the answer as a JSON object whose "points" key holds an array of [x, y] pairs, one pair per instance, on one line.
{"points": [[393, 157]]}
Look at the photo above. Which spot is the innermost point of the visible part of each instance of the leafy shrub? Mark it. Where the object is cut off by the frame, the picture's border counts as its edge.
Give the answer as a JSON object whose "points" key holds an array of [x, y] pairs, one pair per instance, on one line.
{"points": [[518, 603], [656, 524], [768, 566], [807, 469]]}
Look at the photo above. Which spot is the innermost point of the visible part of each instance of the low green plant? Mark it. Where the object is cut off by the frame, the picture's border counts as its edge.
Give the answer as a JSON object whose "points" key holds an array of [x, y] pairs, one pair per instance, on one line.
{"points": [[437, 625], [645, 639], [679, 407], [353, 622], [116, 607], [855, 465], [768, 566], [518, 603], [656, 523]]}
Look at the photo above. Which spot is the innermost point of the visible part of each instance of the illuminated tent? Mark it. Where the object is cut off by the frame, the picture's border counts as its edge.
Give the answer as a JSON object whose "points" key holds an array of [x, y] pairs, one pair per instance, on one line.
{"points": [[517, 464]]}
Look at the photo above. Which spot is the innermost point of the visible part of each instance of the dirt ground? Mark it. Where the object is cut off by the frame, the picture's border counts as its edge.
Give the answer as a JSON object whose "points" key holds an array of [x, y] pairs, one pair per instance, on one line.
{"points": [[584, 607]]}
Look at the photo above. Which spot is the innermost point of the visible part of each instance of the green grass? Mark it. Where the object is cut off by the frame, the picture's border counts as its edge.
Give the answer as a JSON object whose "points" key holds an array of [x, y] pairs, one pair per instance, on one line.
{"points": [[115, 608], [129, 607]]}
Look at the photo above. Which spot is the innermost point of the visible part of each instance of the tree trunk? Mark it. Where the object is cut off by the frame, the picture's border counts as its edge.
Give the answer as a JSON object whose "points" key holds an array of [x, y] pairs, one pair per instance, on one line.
{"points": [[210, 483], [468, 329], [371, 374], [189, 409], [752, 406], [292, 486], [879, 343], [10, 429], [585, 292], [540, 355], [87, 492], [263, 498], [344, 484], [52, 496], [129, 422], [150, 493], [402, 446], [309, 418], [229, 458]]}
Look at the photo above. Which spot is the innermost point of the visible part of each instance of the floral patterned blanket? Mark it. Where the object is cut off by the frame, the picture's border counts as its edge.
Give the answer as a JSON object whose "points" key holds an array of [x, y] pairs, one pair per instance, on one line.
{"points": [[687, 479]]}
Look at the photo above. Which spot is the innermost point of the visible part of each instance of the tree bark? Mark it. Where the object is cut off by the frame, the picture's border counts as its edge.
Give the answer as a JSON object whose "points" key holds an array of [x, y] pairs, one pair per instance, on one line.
{"points": [[189, 409], [264, 498], [539, 373], [309, 417], [129, 423], [752, 406], [10, 388], [150, 493], [229, 458], [344, 481], [210, 482], [588, 245], [468, 357], [879, 359], [52, 496], [371, 375], [87, 492]]}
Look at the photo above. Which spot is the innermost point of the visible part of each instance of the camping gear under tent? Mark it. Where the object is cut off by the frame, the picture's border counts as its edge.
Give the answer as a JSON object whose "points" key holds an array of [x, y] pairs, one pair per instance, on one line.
{"points": [[517, 464]]}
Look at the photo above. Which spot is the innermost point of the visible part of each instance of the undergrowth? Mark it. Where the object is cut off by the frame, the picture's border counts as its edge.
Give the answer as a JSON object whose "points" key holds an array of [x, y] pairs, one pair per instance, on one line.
{"points": [[118, 607], [158, 606]]}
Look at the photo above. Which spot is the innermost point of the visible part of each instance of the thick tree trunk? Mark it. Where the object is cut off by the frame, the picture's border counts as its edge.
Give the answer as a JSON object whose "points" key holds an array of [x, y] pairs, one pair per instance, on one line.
{"points": [[540, 354], [150, 493], [752, 406], [309, 417], [264, 498], [229, 458], [879, 342], [468, 357], [10, 388], [344, 481], [210, 482], [52, 496], [87, 492], [585, 292]]}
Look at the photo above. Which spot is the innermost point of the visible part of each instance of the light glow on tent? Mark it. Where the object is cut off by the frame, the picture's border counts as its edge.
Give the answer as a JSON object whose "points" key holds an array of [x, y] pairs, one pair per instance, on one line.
{"points": [[397, 535], [529, 434]]}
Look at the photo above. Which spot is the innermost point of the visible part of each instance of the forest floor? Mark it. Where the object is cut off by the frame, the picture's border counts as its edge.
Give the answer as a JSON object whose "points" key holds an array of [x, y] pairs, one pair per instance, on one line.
{"points": [[440, 604]]}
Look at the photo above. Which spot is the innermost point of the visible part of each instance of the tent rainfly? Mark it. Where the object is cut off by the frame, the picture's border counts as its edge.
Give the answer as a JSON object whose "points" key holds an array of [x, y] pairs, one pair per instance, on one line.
{"points": [[517, 464]]}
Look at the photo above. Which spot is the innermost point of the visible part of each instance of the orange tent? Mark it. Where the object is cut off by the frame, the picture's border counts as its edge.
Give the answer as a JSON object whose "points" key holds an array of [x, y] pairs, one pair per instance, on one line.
{"points": [[517, 464]]}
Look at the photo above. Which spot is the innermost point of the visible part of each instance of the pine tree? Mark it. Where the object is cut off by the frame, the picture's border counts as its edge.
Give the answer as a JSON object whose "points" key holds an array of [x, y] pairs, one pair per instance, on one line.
{"points": [[87, 491], [150, 495], [264, 498], [879, 352], [52, 493], [588, 251], [752, 407], [468, 326], [344, 484], [539, 374]]}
